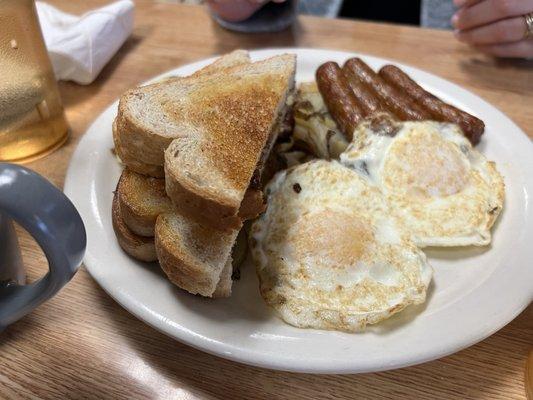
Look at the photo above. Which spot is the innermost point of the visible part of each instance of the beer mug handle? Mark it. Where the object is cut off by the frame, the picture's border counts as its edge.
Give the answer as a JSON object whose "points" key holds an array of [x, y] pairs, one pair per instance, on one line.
{"points": [[53, 221]]}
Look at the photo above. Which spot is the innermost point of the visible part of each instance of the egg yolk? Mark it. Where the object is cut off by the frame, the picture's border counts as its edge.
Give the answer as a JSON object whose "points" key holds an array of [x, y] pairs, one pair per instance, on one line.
{"points": [[332, 237], [422, 163]]}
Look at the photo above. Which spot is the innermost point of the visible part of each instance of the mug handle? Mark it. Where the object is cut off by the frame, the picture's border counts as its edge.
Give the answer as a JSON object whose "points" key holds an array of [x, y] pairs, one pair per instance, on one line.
{"points": [[53, 221]]}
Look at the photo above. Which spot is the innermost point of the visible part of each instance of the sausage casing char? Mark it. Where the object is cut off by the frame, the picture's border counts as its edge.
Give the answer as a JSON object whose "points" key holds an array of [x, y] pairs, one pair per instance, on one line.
{"points": [[339, 99], [369, 102], [395, 101], [440, 111]]}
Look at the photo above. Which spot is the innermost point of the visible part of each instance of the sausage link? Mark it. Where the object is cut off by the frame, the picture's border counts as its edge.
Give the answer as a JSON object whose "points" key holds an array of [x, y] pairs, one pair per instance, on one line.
{"points": [[370, 103], [472, 127], [338, 97], [395, 101]]}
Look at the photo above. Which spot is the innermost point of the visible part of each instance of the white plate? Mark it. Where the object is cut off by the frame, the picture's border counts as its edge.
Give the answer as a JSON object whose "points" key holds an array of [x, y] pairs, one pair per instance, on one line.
{"points": [[475, 291]]}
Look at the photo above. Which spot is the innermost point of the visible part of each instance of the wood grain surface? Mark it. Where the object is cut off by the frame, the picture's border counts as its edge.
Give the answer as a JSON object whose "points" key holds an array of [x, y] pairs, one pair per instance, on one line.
{"points": [[81, 344]]}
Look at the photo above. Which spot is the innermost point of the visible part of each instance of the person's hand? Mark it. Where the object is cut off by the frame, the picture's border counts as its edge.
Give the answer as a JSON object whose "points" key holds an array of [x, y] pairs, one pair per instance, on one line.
{"points": [[236, 10], [496, 27]]}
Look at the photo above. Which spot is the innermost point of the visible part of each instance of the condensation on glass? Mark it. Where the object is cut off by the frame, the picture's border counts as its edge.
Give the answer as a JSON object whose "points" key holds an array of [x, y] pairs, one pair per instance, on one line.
{"points": [[32, 121]]}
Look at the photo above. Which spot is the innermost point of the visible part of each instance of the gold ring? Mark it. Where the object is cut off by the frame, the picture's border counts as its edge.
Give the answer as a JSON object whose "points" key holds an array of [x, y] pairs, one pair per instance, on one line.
{"points": [[529, 25]]}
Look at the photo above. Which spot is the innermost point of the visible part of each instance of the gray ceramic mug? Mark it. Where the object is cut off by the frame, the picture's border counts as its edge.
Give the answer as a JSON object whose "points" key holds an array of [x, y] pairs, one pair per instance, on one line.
{"points": [[53, 221]]}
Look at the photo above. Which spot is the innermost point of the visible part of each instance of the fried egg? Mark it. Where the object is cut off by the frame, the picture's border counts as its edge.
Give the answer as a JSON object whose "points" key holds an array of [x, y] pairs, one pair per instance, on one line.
{"points": [[445, 192], [327, 253]]}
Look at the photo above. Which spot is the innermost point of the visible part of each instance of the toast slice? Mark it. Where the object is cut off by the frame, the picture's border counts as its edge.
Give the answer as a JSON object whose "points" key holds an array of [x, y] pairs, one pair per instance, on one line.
{"points": [[142, 199], [227, 124], [140, 135], [143, 248], [248, 105], [225, 281], [131, 162], [139, 247], [137, 203], [236, 57], [194, 257]]}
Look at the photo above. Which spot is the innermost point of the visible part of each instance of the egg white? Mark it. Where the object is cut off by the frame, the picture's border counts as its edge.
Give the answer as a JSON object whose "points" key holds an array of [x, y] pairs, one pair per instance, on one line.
{"points": [[445, 192], [328, 254]]}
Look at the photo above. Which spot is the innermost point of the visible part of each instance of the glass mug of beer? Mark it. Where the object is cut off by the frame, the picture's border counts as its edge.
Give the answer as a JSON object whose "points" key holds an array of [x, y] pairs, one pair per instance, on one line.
{"points": [[32, 121]]}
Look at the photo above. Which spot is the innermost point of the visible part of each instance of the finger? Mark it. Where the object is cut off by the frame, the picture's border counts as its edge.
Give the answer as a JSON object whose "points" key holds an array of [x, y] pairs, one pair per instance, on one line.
{"points": [[488, 11], [522, 49], [504, 31]]}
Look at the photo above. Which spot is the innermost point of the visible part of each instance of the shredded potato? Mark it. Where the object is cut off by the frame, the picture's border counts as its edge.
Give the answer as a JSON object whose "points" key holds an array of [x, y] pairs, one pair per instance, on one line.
{"points": [[315, 133]]}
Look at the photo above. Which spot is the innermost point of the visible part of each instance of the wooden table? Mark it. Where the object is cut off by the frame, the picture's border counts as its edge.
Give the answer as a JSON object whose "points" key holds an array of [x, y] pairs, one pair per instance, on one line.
{"points": [[82, 344]]}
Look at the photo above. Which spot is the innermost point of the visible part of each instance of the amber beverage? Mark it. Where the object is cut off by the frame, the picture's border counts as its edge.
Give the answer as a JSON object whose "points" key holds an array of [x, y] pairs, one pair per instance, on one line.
{"points": [[32, 122]]}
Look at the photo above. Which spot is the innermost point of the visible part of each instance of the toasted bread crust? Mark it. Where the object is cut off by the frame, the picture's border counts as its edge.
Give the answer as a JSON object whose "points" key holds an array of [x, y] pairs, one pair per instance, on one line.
{"points": [[223, 288], [147, 146], [194, 256], [155, 171], [139, 247], [200, 207], [182, 271], [236, 57], [141, 200], [136, 189], [132, 163], [252, 205], [142, 148], [242, 125], [196, 267]]}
